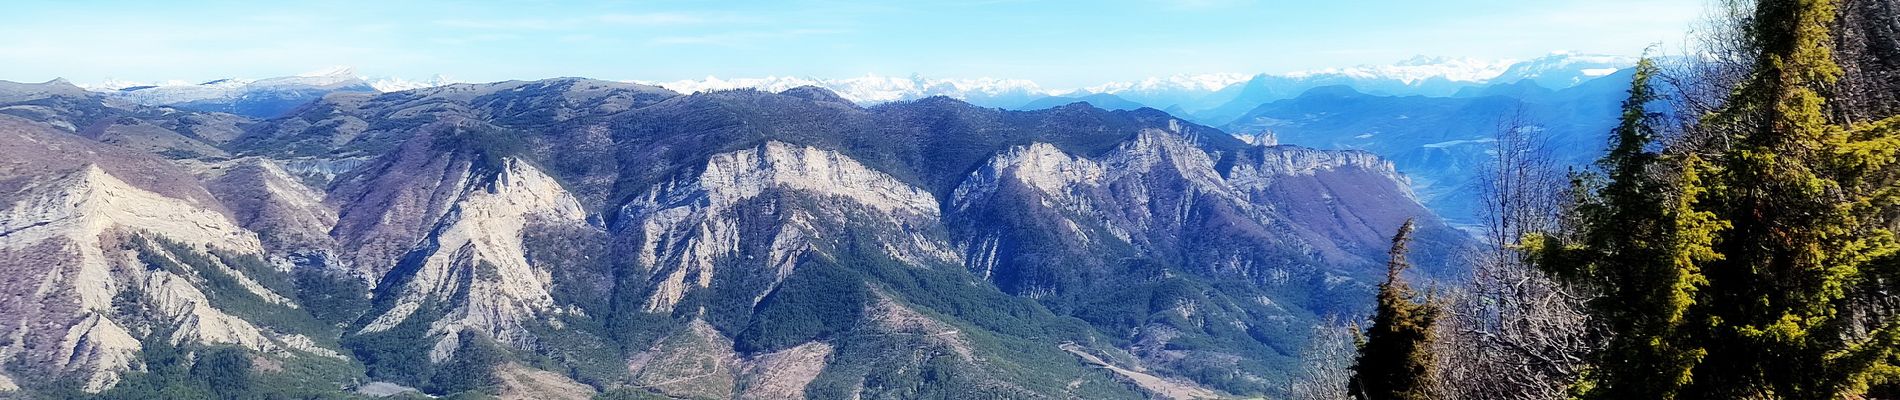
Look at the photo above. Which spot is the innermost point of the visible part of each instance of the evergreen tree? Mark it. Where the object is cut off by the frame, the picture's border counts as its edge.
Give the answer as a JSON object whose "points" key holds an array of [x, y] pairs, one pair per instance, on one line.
{"points": [[225, 370], [1638, 251], [1396, 362], [1811, 203], [1754, 264]]}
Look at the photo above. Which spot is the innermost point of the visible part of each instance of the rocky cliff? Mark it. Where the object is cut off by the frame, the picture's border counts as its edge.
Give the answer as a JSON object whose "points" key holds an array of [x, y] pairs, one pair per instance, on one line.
{"points": [[567, 237]]}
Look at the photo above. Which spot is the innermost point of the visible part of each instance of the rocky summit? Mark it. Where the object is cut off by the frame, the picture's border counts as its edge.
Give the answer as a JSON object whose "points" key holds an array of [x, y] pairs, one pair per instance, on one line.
{"points": [[572, 238]]}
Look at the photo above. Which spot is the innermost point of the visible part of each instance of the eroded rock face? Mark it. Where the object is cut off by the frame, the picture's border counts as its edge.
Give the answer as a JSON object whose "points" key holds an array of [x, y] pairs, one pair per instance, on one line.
{"points": [[1280, 221], [519, 382], [388, 207], [289, 216], [783, 374], [65, 245], [698, 361], [87, 203], [685, 229], [1346, 203], [735, 244], [474, 264], [1155, 190], [695, 362], [1150, 194]]}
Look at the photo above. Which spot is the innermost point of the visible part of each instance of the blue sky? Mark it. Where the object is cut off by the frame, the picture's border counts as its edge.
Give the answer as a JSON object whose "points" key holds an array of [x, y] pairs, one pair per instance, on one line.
{"points": [[1056, 43]]}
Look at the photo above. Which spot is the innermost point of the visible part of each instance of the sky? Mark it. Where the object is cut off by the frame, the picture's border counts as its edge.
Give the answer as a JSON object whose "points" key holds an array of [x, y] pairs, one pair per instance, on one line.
{"points": [[1055, 43]]}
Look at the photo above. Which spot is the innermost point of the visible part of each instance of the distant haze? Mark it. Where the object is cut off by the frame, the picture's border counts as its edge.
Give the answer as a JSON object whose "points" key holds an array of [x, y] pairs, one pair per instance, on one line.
{"points": [[1056, 44]]}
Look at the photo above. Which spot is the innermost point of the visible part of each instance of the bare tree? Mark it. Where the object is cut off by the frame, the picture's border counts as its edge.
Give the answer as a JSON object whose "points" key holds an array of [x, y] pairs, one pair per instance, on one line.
{"points": [[1326, 363], [1511, 332], [1719, 56]]}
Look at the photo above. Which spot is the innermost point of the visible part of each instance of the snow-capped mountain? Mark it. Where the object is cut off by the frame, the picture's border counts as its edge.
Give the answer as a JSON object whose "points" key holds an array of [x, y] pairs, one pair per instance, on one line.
{"points": [[871, 89], [258, 98], [1201, 82], [396, 84], [1563, 70], [1418, 69], [1169, 91], [1419, 76], [1207, 98], [1216, 97]]}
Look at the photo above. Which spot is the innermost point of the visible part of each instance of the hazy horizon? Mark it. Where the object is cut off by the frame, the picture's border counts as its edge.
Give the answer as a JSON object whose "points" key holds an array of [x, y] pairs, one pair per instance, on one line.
{"points": [[1055, 44]]}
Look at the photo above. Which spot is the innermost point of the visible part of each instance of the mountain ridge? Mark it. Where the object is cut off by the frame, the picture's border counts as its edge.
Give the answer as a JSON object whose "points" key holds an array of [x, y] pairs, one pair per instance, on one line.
{"points": [[1198, 93], [570, 234]]}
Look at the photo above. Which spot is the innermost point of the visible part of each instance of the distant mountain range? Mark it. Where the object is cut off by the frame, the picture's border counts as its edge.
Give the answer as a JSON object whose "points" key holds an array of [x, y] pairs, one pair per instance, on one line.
{"points": [[1445, 143], [562, 238], [1415, 77], [256, 98], [1100, 100], [1437, 93], [1214, 99]]}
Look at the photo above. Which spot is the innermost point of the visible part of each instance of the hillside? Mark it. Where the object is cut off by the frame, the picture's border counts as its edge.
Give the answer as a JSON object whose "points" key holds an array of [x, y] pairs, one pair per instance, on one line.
{"points": [[569, 236]]}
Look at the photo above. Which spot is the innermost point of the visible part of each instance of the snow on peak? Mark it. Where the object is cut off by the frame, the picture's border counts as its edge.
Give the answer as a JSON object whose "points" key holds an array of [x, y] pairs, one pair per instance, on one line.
{"points": [[395, 84], [1201, 82], [112, 84], [1564, 69], [1555, 70], [1419, 69], [229, 89], [1594, 72], [177, 91], [868, 88]]}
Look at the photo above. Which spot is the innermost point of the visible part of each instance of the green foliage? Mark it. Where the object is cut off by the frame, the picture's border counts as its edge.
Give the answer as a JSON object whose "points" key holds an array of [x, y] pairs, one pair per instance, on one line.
{"points": [[1014, 338], [167, 373], [469, 395], [582, 347], [331, 297], [221, 372], [304, 378], [939, 377], [816, 302], [399, 354], [215, 372], [629, 394], [226, 370], [472, 369], [1638, 249], [227, 292], [1396, 360], [489, 145], [1810, 201], [1749, 263]]}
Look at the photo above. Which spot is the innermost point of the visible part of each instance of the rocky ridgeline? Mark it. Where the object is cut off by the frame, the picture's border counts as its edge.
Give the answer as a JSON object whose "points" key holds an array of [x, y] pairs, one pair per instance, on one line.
{"points": [[568, 237]]}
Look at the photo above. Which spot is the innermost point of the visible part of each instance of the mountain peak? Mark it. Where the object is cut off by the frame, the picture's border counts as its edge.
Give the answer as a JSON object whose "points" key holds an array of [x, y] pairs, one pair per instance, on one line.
{"points": [[395, 84], [14, 91], [1422, 59], [815, 93], [1563, 69], [1418, 69], [1332, 91]]}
